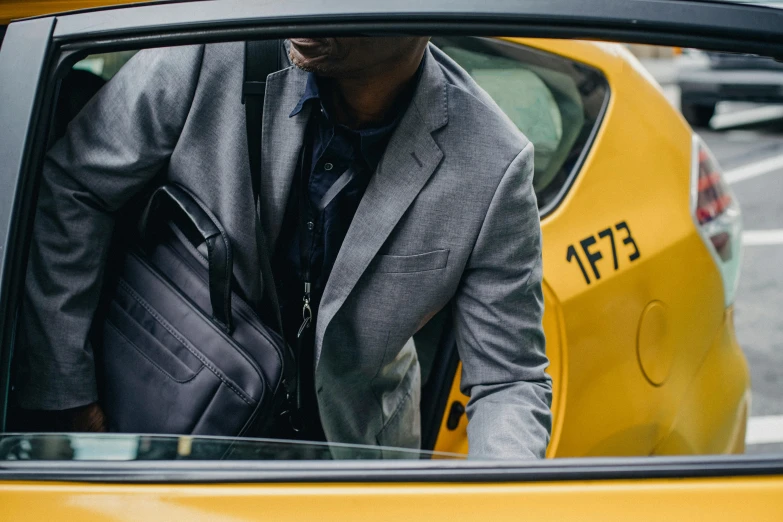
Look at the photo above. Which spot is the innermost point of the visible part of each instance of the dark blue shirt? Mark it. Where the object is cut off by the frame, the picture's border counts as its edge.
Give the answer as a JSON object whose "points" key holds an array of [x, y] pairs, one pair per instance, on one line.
{"points": [[331, 149]]}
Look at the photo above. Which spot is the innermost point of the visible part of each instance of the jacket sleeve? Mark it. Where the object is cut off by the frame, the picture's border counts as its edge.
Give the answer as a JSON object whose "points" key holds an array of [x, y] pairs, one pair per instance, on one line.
{"points": [[112, 148], [498, 312]]}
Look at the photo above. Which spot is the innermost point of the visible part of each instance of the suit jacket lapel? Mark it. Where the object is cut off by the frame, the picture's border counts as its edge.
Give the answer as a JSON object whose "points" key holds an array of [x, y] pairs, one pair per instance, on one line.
{"points": [[281, 140], [410, 159]]}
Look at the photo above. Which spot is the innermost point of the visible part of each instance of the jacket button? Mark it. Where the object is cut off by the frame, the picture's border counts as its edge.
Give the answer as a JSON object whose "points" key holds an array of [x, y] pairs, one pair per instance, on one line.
{"points": [[328, 166]]}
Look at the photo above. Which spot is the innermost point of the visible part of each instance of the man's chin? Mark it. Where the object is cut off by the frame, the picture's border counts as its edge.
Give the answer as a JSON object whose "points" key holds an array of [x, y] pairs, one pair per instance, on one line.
{"points": [[312, 54], [304, 67], [307, 64]]}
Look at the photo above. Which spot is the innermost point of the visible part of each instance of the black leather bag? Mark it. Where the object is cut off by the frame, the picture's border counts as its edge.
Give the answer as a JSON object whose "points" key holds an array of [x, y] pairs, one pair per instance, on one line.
{"points": [[183, 353]]}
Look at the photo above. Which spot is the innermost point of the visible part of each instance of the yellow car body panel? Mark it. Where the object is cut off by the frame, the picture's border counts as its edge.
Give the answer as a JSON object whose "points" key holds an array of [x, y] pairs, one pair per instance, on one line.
{"points": [[704, 423], [717, 500], [626, 349], [14, 10]]}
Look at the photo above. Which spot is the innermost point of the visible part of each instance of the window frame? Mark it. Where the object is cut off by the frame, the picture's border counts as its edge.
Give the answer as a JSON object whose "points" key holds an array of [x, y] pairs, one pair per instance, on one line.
{"points": [[399, 471], [561, 184]]}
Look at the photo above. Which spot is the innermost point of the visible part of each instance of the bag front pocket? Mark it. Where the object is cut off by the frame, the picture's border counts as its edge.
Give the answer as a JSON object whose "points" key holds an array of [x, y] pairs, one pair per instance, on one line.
{"points": [[145, 334], [140, 396]]}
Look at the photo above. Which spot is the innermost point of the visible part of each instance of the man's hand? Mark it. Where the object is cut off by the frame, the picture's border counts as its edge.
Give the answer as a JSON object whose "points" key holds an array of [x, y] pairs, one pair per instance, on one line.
{"points": [[88, 418]]}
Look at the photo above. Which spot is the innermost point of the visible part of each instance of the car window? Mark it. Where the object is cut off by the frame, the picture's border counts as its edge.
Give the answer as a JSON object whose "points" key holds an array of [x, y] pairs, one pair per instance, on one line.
{"points": [[104, 65], [612, 284], [98, 447], [555, 102], [765, 3]]}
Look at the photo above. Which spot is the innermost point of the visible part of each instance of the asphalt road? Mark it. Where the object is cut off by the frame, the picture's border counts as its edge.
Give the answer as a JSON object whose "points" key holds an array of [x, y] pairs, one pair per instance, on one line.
{"points": [[740, 148]]}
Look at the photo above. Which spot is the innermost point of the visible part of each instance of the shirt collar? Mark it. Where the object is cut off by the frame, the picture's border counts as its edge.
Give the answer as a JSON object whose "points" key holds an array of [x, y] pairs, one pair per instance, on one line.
{"points": [[372, 140], [311, 92]]}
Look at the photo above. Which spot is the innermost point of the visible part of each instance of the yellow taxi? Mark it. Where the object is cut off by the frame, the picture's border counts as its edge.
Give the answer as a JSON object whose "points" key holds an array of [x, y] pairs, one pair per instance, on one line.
{"points": [[642, 250], [641, 259]]}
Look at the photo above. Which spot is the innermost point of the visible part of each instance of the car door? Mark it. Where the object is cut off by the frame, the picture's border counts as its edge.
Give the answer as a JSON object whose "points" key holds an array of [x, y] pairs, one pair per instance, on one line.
{"points": [[32, 58]]}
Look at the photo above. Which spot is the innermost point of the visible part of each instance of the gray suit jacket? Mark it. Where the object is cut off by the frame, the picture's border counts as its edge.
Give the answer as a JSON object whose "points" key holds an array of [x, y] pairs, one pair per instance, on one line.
{"points": [[449, 219]]}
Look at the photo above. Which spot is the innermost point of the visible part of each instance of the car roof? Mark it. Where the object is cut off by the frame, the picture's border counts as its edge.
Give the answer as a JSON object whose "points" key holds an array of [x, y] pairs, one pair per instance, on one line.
{"points": [[707, 24], [16, 9]]}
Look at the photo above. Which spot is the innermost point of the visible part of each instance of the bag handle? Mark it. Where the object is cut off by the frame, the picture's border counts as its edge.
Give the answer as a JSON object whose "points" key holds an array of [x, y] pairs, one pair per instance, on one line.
{"points": [[177, 204]]}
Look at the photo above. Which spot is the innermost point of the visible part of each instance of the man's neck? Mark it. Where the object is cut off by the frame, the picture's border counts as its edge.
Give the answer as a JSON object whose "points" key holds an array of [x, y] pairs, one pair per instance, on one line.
{"points": [[368, 100]]}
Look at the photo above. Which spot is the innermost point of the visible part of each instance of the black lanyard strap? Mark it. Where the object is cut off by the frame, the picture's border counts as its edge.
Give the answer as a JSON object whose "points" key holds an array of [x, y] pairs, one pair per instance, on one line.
{"points": [[310, 217], [306, 227], [309, 220]]}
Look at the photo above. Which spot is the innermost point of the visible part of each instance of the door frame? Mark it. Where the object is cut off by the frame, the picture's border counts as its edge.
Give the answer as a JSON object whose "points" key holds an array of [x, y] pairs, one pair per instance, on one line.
{"points": [[47, 43]]}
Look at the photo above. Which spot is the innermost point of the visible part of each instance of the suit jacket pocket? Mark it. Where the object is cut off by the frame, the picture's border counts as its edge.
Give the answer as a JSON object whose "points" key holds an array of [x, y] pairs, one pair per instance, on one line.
{"points": [[393, 264]]}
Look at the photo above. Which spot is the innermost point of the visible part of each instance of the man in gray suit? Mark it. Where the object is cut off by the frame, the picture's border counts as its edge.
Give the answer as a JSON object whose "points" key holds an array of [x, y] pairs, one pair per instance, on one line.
{"points": [[418, 196]]}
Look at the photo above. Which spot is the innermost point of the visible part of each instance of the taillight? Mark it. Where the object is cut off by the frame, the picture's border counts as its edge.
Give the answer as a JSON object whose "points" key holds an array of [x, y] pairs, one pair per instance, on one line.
{"points": [[714, 197], [717, 215]]}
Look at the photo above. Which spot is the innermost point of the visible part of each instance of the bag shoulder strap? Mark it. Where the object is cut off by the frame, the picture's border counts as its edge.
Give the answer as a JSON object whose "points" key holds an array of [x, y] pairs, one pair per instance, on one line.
{"points": [[262, 58]]}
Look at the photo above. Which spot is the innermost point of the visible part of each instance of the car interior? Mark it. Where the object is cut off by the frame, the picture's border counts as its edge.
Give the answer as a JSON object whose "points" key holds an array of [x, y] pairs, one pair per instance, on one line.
{"points": [[563, 102]]}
